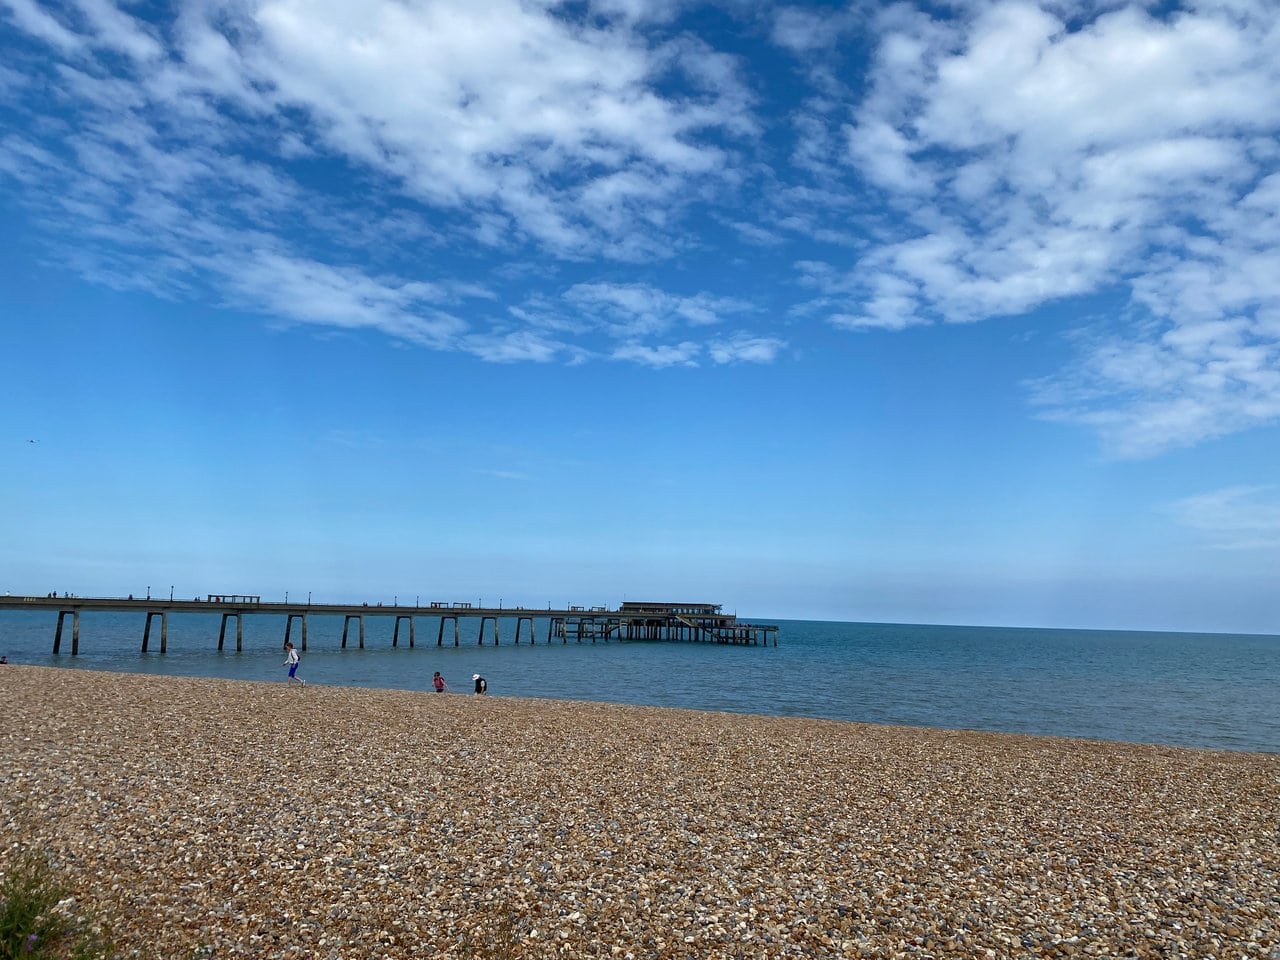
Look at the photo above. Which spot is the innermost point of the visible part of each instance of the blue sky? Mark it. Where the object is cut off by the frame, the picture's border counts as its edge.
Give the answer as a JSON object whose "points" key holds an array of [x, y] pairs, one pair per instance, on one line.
{"points": [[958, 313]]}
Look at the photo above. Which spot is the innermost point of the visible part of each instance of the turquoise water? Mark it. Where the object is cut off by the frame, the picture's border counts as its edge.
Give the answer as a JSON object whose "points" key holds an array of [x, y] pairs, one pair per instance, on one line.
{"points": [[1200, 690]]}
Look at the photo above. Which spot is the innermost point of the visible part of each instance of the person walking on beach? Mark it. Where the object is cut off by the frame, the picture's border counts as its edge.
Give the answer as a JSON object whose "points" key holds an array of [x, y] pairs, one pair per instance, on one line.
{"points": [[438, 682], [291, 660], [482, 685]]}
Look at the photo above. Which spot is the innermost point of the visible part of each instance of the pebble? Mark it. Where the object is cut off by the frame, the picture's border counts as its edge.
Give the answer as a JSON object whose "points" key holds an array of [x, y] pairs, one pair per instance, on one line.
{"points": [[203, 817]]}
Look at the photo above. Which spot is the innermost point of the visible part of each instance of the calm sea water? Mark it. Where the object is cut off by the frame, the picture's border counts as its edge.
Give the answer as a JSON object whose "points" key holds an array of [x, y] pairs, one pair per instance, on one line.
{"points": [[1200, 690]]}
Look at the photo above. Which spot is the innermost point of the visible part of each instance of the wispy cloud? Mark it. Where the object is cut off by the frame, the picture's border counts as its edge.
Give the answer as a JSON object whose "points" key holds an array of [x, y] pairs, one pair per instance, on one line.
{"points": [[549, 124], [199, 153], [745, 348], [1235, 518], [633, 310], [1032, 158], [31, 17], [318, 293], [500, 178], [683, 354]]}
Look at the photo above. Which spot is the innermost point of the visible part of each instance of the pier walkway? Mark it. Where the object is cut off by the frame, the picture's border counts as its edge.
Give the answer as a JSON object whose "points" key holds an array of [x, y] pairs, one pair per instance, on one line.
{"points": [[635, 621]]}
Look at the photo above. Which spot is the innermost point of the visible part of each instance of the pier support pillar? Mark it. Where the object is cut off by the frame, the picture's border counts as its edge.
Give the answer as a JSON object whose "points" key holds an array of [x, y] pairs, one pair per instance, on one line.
{"points": [[533, 637], [164, 630], [222, 632], [395, 633], [346, 625], [288, 627], [483, 621], [75, 632], [440, 635]]}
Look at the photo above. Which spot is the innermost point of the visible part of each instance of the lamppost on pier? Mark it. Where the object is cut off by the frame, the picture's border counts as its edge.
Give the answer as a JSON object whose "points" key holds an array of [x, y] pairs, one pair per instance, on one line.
{"points": [[308, 598], [395, 600], [171, 593], [286, 596], [417, 600], [148, 592]]}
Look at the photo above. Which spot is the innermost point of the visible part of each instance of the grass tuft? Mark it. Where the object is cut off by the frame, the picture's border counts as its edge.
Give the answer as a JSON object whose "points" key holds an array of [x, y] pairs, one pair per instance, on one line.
{"points": [[39, 919]]}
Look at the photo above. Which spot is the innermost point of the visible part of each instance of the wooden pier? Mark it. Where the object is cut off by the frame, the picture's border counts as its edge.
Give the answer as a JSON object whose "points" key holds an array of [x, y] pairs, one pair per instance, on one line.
{"points": [[648, 621]]}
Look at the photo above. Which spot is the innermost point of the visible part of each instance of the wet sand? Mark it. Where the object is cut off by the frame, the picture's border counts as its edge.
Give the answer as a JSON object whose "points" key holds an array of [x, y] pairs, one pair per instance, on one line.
{"points": [[229, 819]]}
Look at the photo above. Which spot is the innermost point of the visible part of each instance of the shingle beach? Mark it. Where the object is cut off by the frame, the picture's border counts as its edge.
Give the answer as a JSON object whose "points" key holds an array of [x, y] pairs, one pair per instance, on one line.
{"points": [[230, 819]]}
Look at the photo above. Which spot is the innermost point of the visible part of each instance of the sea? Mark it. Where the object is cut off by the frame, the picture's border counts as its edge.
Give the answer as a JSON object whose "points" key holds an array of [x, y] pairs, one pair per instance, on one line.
{"points": [[1218, 691]]}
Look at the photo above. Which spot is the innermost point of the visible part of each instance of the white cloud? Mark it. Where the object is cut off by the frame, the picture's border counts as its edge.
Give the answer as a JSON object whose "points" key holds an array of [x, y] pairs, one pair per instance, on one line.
{"points": [[10, 81], [755, 234], [631, 310], [745, 348], [515, 347], [318, 293], [802, 30], [450, 124], [884, 155], [338, 164], [1234, 518], [1197, 382], [115, 30], [30, 17], [638, 10], [1032, 161], [494, 102], [670, 355]]}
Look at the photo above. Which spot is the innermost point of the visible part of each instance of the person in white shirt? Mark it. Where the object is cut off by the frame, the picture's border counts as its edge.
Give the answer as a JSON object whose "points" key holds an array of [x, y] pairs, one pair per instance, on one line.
{"points": [[291, 660]]}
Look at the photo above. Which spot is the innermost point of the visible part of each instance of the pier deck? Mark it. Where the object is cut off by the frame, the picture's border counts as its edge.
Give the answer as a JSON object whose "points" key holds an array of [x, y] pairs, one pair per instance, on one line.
{"points": [[634, 621]]}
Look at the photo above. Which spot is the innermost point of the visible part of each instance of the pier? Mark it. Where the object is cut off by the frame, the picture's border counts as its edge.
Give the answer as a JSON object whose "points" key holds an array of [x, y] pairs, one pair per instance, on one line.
{"points": [[633, 621]]}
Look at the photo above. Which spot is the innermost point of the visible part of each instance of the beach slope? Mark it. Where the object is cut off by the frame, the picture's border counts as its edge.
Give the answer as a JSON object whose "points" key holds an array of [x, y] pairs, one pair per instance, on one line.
{"points": [[229, 819]]}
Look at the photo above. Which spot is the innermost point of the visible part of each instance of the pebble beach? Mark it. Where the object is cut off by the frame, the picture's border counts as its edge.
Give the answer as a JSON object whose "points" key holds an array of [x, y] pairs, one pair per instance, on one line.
{"points": [[217, 818]]}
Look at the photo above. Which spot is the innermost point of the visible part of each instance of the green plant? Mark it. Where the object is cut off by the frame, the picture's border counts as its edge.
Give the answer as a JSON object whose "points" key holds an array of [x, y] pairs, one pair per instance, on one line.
{"points": [[39, 919]]}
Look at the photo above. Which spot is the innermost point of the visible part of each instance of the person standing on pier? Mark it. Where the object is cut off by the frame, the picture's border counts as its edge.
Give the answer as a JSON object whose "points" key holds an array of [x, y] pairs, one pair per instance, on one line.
{"points": [[292, 660], [482, 685], [438, 682]]}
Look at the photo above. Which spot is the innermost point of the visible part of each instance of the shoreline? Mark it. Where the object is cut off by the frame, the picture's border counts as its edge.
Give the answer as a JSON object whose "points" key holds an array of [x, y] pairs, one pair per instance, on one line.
{"points": [[424, 687], [1196, 692], [254, 820]]}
